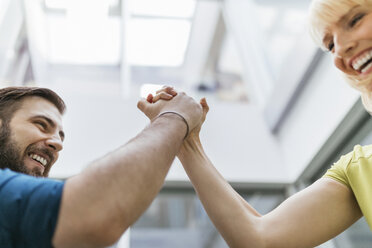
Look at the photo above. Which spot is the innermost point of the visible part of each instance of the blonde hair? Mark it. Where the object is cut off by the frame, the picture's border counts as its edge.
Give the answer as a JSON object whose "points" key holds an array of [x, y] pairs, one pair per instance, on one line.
{"points": [[322, 14]]}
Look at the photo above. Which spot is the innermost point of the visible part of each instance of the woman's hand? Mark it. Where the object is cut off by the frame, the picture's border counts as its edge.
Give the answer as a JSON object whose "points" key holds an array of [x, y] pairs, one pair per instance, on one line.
{"points": [[167, 93]]}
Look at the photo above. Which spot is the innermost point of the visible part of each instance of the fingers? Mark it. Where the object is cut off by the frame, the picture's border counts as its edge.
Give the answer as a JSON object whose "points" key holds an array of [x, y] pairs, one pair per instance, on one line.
{"points": [[193, 112], [165, 93], [150, 98], [141, 105], [168, 89], [163, 96]]}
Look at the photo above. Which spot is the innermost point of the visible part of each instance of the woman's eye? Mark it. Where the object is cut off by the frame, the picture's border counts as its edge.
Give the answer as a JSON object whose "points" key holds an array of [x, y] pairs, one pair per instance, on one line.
{"points": [[330, 46], [355, 19]]}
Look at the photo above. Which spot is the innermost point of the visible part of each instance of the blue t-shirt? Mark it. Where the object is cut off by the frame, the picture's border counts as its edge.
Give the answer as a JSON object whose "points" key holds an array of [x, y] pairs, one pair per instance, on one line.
{"points": [[28, 210]]}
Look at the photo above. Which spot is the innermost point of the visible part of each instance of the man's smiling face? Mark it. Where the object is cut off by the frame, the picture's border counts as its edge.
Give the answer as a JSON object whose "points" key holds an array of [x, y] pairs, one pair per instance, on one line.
{"points": [[33, 138]]}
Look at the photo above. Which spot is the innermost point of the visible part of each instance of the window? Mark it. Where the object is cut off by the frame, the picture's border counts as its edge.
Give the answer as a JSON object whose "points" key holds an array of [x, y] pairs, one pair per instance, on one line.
{"points": [[158, 31]]}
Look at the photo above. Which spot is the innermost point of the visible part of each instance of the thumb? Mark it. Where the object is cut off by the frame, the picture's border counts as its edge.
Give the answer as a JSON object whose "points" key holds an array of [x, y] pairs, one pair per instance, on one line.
{"points": [[204, 104], [142, 104]]}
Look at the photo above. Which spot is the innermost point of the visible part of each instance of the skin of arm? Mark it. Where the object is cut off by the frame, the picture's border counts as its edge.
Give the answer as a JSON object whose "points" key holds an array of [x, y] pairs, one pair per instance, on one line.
{"points": [[99, 204], [306, 219]]}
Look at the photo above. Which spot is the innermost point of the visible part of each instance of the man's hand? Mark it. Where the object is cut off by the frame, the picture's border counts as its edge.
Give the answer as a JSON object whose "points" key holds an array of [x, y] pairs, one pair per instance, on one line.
{"points": [[181, 103], [167, 93], [121, 185]]}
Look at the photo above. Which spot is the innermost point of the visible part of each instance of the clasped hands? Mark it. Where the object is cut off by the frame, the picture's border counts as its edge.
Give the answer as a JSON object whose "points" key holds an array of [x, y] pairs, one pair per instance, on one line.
{"points": [[194, 113]]}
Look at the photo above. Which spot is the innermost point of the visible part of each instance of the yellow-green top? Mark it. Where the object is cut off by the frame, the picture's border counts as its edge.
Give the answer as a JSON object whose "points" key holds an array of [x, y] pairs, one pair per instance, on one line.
{"points": [[355, 171]]}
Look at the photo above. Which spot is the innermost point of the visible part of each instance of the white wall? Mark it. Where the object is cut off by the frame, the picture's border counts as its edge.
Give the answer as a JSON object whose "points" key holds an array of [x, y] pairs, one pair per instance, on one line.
{"points": [[320, 108], [95, 123], [241, 20], [100, 120], [235, 136], [240, 145], [11, 22]]}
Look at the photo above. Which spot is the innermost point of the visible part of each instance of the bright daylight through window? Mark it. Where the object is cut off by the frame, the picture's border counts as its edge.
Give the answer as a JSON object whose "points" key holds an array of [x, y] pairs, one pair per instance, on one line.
{"points": [[159, 31]]}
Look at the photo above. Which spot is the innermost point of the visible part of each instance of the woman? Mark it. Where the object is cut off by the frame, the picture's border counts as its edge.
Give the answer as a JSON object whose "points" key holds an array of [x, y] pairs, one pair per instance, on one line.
{"points": [[342, 195]]}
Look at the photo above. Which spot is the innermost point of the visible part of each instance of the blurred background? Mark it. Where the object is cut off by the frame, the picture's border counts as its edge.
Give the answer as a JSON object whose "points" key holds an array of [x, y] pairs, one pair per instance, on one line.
{"points": [[280, 114]]}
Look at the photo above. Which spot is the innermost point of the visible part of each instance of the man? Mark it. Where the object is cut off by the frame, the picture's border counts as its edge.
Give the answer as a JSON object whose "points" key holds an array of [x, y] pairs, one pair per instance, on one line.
{"points": [[27, 119], [94, 208]]}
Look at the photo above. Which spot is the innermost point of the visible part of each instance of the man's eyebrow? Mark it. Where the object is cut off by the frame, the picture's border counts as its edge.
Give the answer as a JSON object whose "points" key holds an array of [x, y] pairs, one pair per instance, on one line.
{"points": [[51, 123]]}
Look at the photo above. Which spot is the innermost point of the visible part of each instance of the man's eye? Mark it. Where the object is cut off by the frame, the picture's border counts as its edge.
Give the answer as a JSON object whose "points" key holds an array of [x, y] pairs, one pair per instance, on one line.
{"points": [[41, 124], [356, 19]]}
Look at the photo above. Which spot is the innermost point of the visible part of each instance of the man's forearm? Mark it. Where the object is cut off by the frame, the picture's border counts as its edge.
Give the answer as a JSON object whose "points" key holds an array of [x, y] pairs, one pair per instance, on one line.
{"points": [[236, 220], [112, 193]]}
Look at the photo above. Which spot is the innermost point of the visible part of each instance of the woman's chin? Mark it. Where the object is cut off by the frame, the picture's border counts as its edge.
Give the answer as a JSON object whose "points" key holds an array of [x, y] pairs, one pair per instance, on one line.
{"points": [[367, 85], [362, 84]]}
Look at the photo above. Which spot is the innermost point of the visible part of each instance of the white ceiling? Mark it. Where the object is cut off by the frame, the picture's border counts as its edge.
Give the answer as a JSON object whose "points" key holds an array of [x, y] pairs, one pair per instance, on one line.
{"points": [[98, 53]]}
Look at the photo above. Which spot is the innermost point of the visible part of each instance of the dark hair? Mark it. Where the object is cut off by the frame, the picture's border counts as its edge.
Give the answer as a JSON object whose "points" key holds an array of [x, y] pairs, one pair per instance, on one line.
{"points": [[10, 99]]}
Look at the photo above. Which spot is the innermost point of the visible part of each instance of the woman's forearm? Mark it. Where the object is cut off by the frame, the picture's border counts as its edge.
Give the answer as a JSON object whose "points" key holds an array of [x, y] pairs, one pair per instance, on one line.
{"points": [[236, 220], [307, 219]]}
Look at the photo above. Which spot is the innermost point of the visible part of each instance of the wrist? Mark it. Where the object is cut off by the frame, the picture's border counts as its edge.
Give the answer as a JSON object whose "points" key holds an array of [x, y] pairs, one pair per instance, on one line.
{"points": [[191, 146], [173, 115]]}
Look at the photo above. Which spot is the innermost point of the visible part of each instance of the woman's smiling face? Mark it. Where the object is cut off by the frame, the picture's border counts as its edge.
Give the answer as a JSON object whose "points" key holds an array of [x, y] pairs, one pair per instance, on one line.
{"points": [[344, 28], [349, 40]]}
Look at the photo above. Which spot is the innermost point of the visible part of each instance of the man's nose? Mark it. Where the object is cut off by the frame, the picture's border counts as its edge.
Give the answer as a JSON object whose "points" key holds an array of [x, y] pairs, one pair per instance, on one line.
{"points": [[55, 143]]}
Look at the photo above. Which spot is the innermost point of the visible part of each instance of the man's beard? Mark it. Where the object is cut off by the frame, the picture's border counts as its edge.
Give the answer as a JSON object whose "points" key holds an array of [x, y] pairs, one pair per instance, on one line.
{"points": [[11, 155]]}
